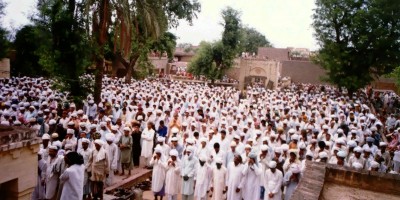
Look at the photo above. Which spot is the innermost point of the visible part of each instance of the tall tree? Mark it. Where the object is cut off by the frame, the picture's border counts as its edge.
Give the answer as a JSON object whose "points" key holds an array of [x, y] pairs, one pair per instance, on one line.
{"points": [[28, 41], [359, 40], [213, 59], [65, 54], [4, 43], [252, 39], [150, 20]]}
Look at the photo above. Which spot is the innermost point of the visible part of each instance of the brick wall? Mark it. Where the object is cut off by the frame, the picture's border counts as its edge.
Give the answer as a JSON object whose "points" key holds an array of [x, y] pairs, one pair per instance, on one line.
{"points": [[302, 71]]}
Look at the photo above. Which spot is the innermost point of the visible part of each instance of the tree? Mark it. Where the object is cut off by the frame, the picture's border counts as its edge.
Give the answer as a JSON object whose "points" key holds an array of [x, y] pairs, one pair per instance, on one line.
{"points": [[65, 53], [4, 43], [360, 40], [252, 39], [213, 59], [26, 44], [150, 20]]}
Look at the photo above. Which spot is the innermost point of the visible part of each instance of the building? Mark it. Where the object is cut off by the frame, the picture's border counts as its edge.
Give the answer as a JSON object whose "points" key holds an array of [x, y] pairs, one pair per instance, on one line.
{"points": [[18, 162]]}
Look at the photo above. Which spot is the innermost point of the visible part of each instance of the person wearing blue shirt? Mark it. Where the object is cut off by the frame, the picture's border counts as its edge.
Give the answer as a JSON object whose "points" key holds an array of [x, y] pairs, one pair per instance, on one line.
{"points": [[162, 129]]}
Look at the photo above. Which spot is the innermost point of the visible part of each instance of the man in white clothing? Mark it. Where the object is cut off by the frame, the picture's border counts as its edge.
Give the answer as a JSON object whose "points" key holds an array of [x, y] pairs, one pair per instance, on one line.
{"points": [[251, 178], [112, 150], [273, 182], [159, 168], [202, 179], [188, 167], [53, 172], [218, 180], [173, 179], [235, 178]]}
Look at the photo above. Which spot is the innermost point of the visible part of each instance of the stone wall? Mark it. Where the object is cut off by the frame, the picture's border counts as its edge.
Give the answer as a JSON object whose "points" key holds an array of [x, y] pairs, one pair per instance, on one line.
{"points": [[331, 182], [302, 71], [5, 68], [366, 180], [160, 64], [310, 185], [18, 163]]}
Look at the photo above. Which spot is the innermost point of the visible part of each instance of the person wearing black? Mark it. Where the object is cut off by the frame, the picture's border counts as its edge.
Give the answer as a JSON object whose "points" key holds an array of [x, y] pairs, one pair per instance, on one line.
{"points": [[136, 148]]}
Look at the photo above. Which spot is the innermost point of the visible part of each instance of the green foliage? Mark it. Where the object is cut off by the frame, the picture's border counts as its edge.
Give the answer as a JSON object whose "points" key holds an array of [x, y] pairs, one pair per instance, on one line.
{"points": [[359, 40], [252, 39], [165, 44], [65, 54], [4, 43], [27, 41], [177, 10], [212, 59]]}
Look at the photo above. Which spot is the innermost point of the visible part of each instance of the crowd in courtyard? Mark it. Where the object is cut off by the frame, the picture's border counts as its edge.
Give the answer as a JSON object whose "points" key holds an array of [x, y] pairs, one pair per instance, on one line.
{"points": [[201, 141]]}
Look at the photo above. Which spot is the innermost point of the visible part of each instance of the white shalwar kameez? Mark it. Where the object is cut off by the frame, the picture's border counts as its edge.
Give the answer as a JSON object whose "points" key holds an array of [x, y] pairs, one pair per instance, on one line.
{"points": [[112, 150], [218, 182], [188, 168], [272, 184], [234, 181], [147, 144], [159, 172], [251, 182], [53, 170], [290, 185], [173, 180], [72, 180], [203, 179]]}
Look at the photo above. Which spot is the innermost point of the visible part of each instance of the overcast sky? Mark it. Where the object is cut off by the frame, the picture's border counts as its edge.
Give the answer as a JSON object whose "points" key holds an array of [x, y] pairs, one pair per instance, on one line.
{"points": [[285, 23]]}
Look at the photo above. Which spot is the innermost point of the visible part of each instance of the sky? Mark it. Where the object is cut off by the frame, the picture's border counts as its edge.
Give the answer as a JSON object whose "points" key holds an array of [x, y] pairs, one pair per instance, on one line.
{"points": [[285, 23]]}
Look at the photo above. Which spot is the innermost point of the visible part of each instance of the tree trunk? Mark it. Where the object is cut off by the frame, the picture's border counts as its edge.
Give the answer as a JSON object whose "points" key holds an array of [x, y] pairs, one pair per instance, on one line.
{"points": [[98, 79], [129, 70]]}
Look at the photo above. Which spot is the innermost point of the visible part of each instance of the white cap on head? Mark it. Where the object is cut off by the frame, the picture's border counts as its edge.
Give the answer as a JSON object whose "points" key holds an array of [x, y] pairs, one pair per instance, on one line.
{"points": [[272, 164], [161, 139], [322, 154], [342, 154], [358, 149], [99, 142], [374, 164], [110, 137], [264, 147], [158, 149], [357, 165], [85, 140], [203, 158], [45, 136], [174, 130], [173, 152]]}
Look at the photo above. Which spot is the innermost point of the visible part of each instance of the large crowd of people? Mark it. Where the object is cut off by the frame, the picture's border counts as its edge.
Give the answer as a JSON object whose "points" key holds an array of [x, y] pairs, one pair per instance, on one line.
{"points": [[200, 141]]}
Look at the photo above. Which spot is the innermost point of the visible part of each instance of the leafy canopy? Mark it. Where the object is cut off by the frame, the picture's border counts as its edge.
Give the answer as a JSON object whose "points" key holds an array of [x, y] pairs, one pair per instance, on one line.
{"points": [[359, 40], [212, 59]]}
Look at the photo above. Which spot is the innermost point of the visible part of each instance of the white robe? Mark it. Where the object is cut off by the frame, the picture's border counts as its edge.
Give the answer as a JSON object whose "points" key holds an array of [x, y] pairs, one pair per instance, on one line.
{"points": [[159, 172], [72, 180], [290, 185], [147, 143], [234, 181], [112, 151], [86, 155], [39, 192], [218, 182], [173, 178], [188, 168], [53, 170], [251, 182], [203, 179], [272, 184]]}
